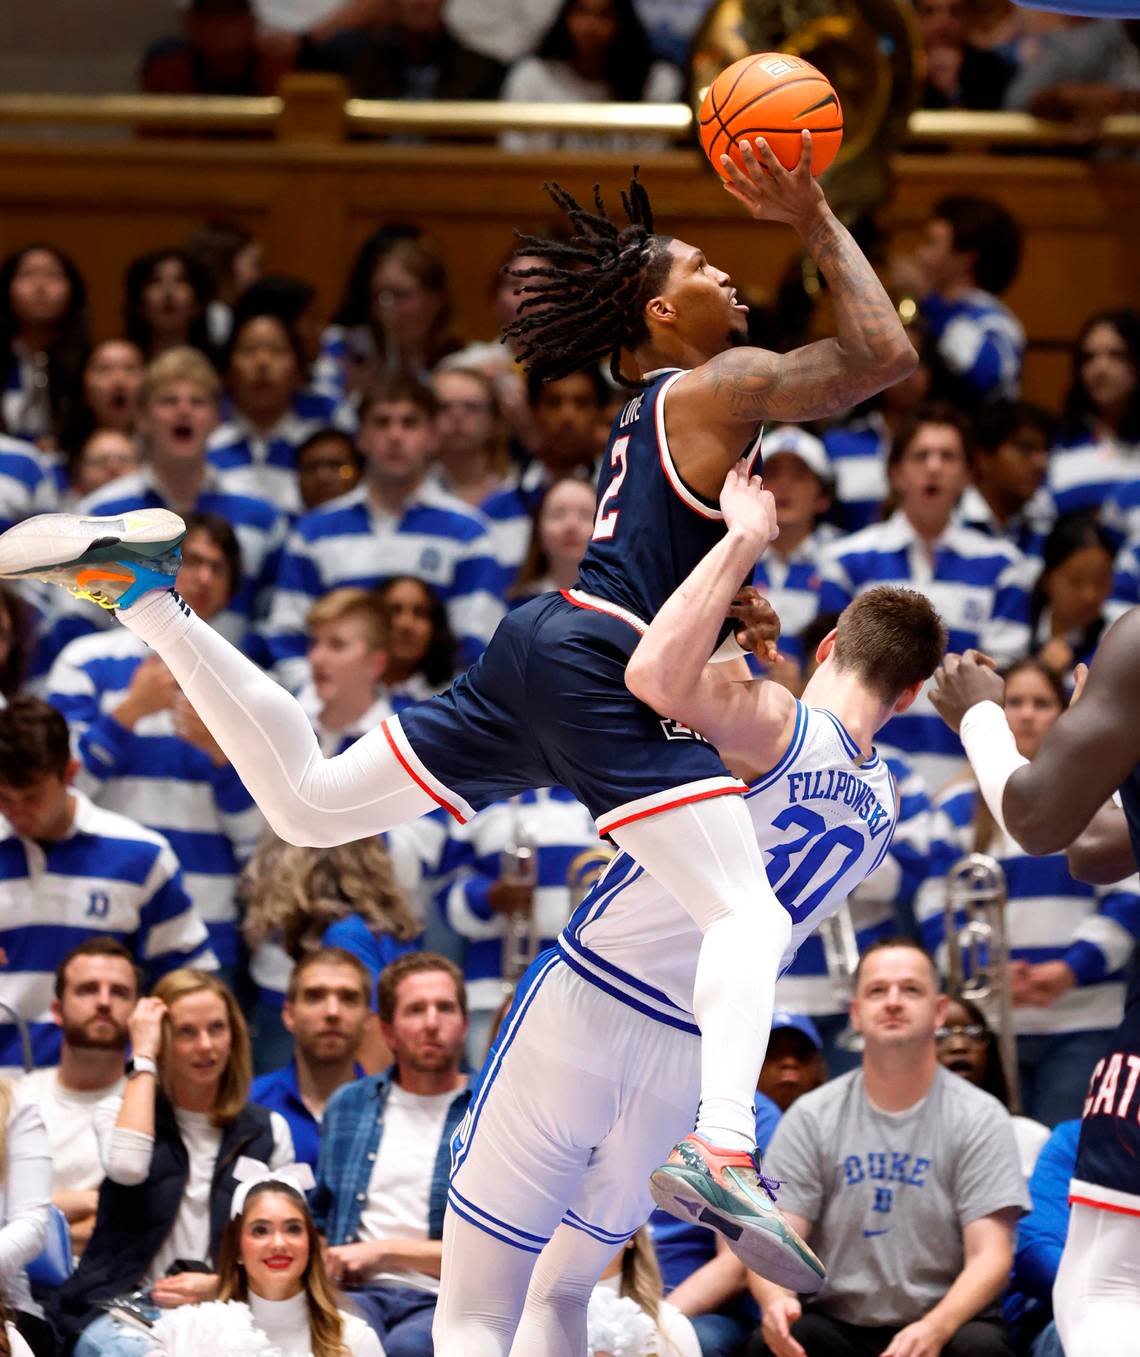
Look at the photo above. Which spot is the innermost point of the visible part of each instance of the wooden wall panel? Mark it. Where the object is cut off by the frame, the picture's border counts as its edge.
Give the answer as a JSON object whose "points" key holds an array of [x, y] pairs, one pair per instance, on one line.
{"points": [[313, 204]]}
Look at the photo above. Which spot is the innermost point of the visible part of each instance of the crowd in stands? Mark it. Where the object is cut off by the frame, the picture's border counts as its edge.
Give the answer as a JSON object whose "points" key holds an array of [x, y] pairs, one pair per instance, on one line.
{"points": [[364, 502], [979, 54]]}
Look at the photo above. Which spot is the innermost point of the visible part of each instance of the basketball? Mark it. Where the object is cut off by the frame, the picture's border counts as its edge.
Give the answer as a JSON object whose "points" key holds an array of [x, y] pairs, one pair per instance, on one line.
{"points": [[775, 96]]}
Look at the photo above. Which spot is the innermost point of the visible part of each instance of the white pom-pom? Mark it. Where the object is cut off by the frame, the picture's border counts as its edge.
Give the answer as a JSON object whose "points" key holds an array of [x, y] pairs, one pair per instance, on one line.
{"points": [[618, 1327], [220, 1328]]}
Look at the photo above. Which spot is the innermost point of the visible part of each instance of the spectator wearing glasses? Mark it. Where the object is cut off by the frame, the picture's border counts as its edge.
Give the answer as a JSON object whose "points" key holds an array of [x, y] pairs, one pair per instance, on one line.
{"points": [[328, 466]]}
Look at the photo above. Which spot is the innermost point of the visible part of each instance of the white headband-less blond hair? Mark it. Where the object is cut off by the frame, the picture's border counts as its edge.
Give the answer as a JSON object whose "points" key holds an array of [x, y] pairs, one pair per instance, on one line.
{"points": [[250, 1172]]}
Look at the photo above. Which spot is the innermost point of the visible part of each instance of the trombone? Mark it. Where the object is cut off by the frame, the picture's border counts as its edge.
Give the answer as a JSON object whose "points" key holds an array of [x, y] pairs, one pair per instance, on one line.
{"points": [[978, 953], [841, 957]]}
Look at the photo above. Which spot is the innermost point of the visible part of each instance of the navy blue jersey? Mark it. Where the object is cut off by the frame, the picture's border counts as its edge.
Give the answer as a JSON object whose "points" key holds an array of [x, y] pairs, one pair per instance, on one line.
{"points": [[651, 529]]}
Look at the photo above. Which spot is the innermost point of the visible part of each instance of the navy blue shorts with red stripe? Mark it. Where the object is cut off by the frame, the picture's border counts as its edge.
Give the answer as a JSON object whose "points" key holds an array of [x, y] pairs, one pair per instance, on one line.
{"points": [[546, 705]]}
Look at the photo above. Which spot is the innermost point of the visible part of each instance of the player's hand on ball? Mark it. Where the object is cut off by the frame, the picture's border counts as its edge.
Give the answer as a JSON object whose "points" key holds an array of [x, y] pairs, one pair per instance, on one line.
{"points": [[748, 508], [770, 192], [961, 682]]}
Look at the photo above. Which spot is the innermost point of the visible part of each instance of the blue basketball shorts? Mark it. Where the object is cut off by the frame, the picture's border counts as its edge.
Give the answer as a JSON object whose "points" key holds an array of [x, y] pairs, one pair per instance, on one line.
{"points": [[546, 705]]}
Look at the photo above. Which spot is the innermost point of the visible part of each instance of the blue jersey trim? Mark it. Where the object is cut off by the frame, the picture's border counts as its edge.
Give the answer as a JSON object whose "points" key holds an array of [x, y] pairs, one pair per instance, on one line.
{"points": [[495, 1234], [623, 998], [602, 1236], [618, 974], [799, 734], [539, 1239]]}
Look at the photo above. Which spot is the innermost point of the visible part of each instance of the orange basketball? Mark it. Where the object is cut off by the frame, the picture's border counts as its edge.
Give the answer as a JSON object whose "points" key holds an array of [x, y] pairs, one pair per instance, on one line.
{"points": [[775, 96]]}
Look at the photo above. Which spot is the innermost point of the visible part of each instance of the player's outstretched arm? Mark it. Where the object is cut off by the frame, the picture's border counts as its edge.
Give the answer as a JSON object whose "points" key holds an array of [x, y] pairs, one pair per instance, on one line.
{"points": [[1084, 758], [669, 669], [870, 350]]}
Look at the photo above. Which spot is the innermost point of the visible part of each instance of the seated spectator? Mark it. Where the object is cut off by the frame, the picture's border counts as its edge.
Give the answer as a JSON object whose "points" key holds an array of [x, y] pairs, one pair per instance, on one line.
{"points": [[922, 546], [112, 376], [409, 316], [903, 1153], [291, 298], [1081, 75], [1010, 460], [1041, 1240], [595, 51], [970, 254], [958, 74], [635, 1276], [570, 430], [25, 1154], [563, 524], [170, 1157], [294, 26], [1070, 943], [385, 1144], [144, 751], [218, 53], [860, 443], [349, 344], [421, 646], [1068, 609], [1096, 461], [348, 653], [966, 1046], [328, 466], [27, 485], [101, 458], [416, 57], [68, 867], [397, 520], [326, 1011], [798, 472], [179, 410], [15, 642], [265, 370], [44, 341], [231, 255], [473, 461], [270, 1260], [362, 896], [96, 988], [165, 304], [484, 889], [793, 1063]]}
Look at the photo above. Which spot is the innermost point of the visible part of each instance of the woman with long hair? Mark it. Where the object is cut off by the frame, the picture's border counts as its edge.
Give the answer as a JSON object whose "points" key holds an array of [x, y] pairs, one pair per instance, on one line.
{"points": [[270, 1264], [1098, 446], [1070, 943], [409, 316], [25, 1200], [185, 1119], [44, 342], [356, 895], [473, 458], [647, 1324], [421, 644], [595, 51], [563, 522], [1067, 609], [167, 293]]}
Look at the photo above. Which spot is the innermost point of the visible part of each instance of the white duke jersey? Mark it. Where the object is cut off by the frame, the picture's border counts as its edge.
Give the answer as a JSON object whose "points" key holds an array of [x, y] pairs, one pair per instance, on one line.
{"points": [[824, 823]]}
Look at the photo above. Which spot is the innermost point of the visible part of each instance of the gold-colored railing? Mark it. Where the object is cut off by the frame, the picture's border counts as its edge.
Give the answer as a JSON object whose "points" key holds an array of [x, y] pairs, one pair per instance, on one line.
{"points": [[314, 105]]}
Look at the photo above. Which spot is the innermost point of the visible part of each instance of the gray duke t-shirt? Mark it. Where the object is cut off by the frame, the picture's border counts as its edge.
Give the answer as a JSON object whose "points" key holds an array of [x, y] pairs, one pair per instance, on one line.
{"points": [[888, 1193]]}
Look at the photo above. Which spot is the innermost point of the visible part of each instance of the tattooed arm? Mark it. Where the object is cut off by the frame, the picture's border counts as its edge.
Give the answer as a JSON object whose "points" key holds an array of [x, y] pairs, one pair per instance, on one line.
{"points": [[744, 386]]}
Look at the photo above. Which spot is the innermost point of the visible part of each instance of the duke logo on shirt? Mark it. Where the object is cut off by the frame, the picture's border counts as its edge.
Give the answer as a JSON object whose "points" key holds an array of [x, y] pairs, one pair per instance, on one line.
{"points": [[430, 560], [98, 905]]}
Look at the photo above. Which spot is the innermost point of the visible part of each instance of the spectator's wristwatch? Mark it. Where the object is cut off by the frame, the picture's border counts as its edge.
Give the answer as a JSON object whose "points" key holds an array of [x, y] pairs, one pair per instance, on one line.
{"points": [[141, 1064]]}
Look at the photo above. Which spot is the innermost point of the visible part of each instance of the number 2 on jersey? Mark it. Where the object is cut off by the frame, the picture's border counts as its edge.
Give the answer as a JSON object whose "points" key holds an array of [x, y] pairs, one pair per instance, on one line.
{"points": [[607, 518], [815, 845]]}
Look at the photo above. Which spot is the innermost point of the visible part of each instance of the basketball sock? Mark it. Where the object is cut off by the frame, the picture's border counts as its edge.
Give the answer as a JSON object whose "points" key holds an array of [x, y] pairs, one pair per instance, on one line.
{"points": [[266, 735], [705, 854]]}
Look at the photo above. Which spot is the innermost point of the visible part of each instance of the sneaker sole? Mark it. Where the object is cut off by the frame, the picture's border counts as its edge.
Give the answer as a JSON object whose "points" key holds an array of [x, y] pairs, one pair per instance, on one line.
{"points": [[760, 1250], [61, 539]]}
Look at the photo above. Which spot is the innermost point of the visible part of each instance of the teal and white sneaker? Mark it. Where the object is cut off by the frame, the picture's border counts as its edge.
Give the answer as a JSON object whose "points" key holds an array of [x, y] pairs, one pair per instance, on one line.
{"points": [[725, 1190], [110, 561]]}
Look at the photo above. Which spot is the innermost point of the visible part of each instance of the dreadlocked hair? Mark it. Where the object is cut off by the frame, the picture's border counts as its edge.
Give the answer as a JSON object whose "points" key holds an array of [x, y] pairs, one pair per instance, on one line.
{"points": [[586, 301]]}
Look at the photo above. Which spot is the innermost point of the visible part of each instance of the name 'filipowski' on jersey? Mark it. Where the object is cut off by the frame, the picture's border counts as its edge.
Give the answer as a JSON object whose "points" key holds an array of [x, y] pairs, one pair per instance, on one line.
{"points": [[824, 822]]}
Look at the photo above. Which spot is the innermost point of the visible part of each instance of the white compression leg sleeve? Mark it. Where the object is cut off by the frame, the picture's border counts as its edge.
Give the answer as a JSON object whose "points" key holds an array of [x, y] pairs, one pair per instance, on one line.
{"points": [[1096, 1297], [706, 855], [554, 1318], [483, 1284], [266, 735]]}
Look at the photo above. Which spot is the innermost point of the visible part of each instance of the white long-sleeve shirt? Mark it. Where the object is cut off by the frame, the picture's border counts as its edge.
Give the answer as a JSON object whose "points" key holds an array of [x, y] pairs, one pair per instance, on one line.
{"points": [[24, 1202]]}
